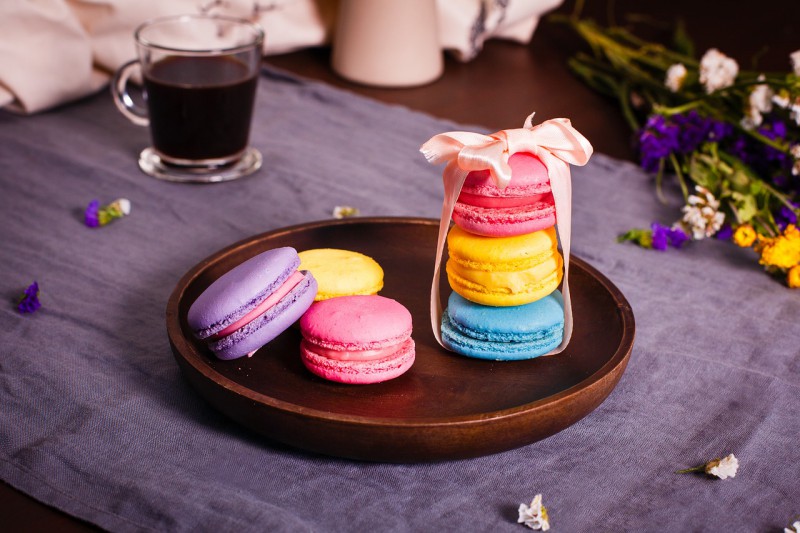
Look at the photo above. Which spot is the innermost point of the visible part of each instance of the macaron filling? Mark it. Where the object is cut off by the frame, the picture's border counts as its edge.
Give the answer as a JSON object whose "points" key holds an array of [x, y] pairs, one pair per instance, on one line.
{"points": [[352, 355], [503, 201], [270, 301]]}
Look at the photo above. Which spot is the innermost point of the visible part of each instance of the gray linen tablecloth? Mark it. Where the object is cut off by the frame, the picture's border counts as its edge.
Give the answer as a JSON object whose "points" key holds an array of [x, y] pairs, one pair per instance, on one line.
{"points": [[97, 420]]}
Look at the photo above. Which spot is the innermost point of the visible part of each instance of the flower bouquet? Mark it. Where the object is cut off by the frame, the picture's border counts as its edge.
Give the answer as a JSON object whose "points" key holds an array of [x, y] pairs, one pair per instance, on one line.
{"points": [[730, 137]]}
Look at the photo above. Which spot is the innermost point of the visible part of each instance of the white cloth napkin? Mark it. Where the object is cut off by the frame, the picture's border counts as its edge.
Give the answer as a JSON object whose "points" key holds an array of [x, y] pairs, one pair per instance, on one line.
{"points": [[55, 51]]}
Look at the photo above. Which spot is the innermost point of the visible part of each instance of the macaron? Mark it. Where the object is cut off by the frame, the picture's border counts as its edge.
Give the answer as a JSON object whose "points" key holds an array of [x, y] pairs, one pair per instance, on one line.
{"points": [[503, 333], [358, 339], [503, 271], [252, 303], [342, 272], [524, 206]]}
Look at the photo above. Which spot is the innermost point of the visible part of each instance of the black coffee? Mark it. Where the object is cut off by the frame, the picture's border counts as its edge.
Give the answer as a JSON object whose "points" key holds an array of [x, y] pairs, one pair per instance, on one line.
{"points": [[200, 107]]}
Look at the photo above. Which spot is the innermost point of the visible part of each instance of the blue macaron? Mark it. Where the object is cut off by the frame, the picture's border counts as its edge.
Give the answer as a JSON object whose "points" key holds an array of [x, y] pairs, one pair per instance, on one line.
{"points": [[503, 333]]}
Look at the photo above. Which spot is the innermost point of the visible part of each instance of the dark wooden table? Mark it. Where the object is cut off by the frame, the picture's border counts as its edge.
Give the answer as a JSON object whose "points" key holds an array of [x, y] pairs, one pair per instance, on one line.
{"points": [[508, 81]]}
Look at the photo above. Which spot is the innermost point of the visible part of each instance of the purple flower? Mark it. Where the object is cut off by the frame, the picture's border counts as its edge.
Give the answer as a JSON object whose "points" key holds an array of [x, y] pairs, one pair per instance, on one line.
{"points": [[665, 236], [725, 233], [91, 215], [660, 236], [693, 131], [657, 141], [717, 131], [696, 129], [29, 301], [785, 216], [677, 237]]}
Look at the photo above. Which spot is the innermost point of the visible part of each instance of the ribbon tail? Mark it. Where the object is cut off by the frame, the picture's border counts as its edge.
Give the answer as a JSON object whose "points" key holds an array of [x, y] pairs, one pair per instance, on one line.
{"points": [[453, 178], [561, 186]]}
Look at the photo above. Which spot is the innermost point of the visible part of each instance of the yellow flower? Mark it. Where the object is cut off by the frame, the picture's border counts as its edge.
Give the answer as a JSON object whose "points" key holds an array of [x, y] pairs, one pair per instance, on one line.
{"points": [[744, 236], [793, 277], [782, 251]]}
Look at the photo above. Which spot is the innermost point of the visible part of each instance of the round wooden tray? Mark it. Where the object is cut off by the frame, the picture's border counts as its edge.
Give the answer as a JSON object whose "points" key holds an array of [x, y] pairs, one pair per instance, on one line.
{"points": [[447, 406]]}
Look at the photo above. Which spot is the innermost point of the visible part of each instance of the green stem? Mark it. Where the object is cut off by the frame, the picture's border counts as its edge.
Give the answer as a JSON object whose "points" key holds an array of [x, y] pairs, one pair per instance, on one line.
{"points": [[659, 181], [624, 98], [677, 167], [701, 468]]}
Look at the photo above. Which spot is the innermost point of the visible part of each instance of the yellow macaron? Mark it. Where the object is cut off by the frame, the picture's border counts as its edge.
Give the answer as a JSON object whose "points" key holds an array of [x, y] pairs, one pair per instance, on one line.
{"points": [[504, 271], [342, 272]]}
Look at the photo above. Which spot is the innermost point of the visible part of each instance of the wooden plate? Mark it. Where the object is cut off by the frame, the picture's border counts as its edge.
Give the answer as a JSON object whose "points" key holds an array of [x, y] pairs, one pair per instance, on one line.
{"points": [[447, 406]]}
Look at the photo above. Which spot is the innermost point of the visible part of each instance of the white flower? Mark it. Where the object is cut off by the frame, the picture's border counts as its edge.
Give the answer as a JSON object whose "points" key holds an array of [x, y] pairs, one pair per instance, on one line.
{"points": [[760, 101], [723, 468], [795, 57], [794, 151], [676, 75], [123, 204], [534, 515], [717, 70], [701, 214], [343, 211], [794, 528], [782, 100]]}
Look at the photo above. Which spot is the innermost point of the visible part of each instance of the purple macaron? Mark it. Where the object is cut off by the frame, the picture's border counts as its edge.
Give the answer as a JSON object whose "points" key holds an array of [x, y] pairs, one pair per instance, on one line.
{"points": [[253, 303]]}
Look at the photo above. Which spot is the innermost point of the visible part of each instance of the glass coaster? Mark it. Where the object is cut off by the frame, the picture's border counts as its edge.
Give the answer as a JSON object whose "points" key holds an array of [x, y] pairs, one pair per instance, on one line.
{"points": [[152, 165]]}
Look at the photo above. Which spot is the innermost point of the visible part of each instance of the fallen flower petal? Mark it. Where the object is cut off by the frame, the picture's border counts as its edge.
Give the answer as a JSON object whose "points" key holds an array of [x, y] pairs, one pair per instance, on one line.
{"points": [[534, 515], [344, 211], [96, 216], [721, 468], [28, 302]]}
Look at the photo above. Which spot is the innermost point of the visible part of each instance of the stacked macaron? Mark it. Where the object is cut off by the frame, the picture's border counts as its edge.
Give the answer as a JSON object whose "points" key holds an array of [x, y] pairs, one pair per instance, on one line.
{"points": [[504, 266]]}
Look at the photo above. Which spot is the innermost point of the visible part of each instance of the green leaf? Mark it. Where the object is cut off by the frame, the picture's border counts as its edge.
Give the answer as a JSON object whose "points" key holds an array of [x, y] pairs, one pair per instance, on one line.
{"points": [[703, 171], [642, 237], [746, 206]]}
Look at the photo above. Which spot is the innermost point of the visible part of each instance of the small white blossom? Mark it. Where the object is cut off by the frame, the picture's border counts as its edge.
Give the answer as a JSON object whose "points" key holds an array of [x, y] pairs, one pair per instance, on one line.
{"points": [[344, 211], [794, 528], [782, 100], [123, 204], [534, 515], [795, 57], [794, 151], [759, 101], [717, 70], [723, 468], [676, 75], [701, 214]]}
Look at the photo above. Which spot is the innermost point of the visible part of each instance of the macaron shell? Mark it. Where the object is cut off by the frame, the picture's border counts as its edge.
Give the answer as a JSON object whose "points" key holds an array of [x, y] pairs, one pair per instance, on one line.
{"points": [[342, 272], [359, 372], [502, 289], [505, 222], [529, 176], [239, 290], [503, 333], [503, 271], [269, 325], [356, 323]]}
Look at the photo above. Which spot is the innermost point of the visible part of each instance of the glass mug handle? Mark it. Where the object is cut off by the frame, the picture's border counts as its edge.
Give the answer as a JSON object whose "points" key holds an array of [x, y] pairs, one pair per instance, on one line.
{"points": [[119, 88]]}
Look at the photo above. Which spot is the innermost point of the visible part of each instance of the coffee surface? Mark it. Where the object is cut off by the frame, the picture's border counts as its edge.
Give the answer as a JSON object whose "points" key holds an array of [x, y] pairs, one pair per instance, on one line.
{"points": [[200, 107]]}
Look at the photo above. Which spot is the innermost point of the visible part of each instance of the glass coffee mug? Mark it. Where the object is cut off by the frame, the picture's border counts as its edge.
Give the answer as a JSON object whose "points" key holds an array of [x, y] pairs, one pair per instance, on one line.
{"points": [[200, 74]]}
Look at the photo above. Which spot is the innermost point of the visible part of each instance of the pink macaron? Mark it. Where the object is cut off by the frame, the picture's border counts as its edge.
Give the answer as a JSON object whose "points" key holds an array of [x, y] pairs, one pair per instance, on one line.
{"points": [[524, 206], [357, 339]]}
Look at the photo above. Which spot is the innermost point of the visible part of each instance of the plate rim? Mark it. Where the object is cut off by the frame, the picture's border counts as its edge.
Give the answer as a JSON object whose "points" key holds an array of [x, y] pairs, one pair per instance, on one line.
{"points": [[620, 357]]}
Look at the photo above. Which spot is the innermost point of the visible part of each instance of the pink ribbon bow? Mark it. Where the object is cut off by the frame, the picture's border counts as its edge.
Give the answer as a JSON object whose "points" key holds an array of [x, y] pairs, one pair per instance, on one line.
{"points": [[555, 142]]}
